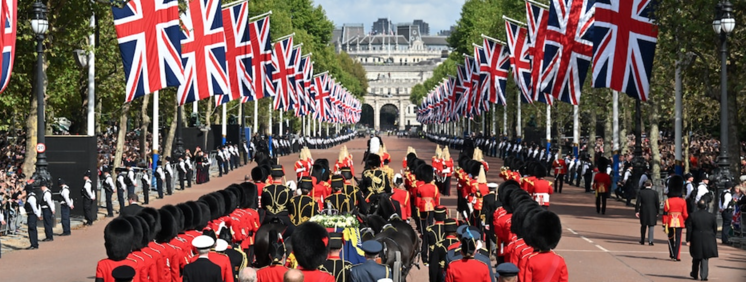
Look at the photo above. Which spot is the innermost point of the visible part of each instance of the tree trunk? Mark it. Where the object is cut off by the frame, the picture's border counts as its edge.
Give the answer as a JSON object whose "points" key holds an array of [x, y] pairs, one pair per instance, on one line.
{"points": [[121, 134], [29, 163], [167, 148], [208, 119], [144, 123], [592, 137], [654, 137], [625, 124]]}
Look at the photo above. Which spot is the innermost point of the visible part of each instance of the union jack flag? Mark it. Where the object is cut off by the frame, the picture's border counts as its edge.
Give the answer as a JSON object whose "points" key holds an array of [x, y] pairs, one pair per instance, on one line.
{"points": [[476, 98], [280, 84], [293, 75], [537, 19], [568, 49], [7, 40], [308, 104], [203, 52], [520, 59], [148, 33], [321, 94], [261, 59], [238, 52], [300, 87], [463, 85], [498, 65], [624, 41]]}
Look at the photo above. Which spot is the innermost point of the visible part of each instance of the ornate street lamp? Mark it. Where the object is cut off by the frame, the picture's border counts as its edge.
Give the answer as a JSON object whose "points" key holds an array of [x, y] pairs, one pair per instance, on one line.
{"points": [[723, 24], [40, 25]]}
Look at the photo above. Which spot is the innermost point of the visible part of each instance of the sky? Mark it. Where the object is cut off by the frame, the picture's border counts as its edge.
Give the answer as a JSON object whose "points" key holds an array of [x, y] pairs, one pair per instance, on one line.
{"points": [[440, 14]]}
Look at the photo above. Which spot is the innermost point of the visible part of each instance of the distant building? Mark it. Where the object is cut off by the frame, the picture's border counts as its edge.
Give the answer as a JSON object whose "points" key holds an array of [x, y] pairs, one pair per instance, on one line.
{"points": [[424, 26], [447, 32], [381, 26]]}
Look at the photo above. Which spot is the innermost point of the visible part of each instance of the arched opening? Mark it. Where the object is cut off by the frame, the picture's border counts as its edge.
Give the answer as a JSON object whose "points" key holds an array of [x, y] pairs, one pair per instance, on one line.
{"points": [[366, 116], [389, 117]]}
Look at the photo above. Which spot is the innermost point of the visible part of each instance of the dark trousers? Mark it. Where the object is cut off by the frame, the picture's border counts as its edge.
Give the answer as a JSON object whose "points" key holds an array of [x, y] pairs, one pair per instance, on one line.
{"points": [[588, 177], [220, 167], [33, 235], [447, 187], [48, 219], [159, 187], [559, 180], [674, 242], [426, 219], [182, 177], [577, 180], [109, 205], [120, 198], [727, 216], [130, 190], [190, 175], [88, 209], [650, 229], [65, 218], [145, 191], [601, 203], [700, 266], [169, 188]]}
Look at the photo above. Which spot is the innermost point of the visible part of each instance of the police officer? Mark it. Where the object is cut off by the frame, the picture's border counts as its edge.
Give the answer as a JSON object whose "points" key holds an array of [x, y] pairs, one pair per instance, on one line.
{"points": [[89, 199], [370, 270], [130, 179], [169, 176], [108, 185], [47, 209], [33, 210], [145, 184], [507, 272], [121, 186], [181, 167], [65, 206], [160, 177], [335, 265]]}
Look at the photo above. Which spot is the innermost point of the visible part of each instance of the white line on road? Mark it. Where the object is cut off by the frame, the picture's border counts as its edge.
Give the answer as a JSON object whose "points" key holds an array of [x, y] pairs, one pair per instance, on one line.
{"points": [[572, 231], [586, 239], [602, 248]]}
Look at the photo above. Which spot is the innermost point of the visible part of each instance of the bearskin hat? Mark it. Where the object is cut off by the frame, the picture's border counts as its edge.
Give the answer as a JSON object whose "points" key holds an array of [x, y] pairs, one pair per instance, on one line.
{"points": [[410, 158], [257, 174], [539, 170], [309, 242], [118, 237], [276, 248], [519, 213], [178, 216], [527, 222], [373, 161], [462, 160], [321, 172], [169, 227], [266, 169], [146, 239], [504, 193], [602, 163], [212, 203], [675, 186], [546, 230], [196, 214], [323, 162], [153, 218], [136, 243], [236, 190], [205, 217], [250, 194], [230, 201], [188, 215], [221, 204], [474, 167], [417, 163], [424, 173]]}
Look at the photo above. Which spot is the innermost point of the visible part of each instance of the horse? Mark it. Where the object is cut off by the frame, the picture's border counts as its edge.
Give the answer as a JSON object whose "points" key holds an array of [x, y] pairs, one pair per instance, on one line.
{"points": [[261, 242]]}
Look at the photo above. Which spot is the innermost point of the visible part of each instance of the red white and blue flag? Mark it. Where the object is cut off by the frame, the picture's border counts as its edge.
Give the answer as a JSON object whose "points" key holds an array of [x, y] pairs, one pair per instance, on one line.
{"points": [[309, 98], [300, 87], [293, 75], [148, 33], [498, 65], [238, 52], [568, 49], [261, 59], [203, 52], [474, 107], [320, 86], [280, 85], [8, 17], [520, 59], [624, 41], [537, 17]]}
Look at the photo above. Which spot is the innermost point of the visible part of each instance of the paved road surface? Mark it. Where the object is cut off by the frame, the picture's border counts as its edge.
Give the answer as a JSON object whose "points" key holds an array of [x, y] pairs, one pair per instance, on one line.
{"points": [[595, 247]]}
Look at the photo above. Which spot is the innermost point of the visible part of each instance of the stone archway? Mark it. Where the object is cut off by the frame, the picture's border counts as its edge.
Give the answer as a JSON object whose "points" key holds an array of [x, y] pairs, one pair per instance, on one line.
{"points": [[367, 116], [389, 117]]}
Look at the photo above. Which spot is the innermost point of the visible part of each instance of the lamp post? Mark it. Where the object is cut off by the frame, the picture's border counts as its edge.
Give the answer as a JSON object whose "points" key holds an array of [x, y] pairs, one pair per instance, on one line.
{"points": [[638, 162], [178, 150], [40, 25], [723, 24]]}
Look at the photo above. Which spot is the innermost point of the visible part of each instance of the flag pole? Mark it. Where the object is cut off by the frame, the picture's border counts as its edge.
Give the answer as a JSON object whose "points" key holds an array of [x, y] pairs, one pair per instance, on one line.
{"points": [[494, 120], [224, 124], [156, 141], [538, 4], [615, 138], [256, 116], [195, 107], [269, 120], [494, 39], [284, 37], [518, 124], [280, 115], [576, 130], [260, 16], [505, 120], [233, 4], [549, 128], [92, 79]]}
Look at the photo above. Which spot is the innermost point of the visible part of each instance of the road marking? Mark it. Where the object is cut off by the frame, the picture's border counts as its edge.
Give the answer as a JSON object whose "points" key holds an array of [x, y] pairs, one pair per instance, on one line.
{"points": [[602, 248], [586, 239], [572, 231]]}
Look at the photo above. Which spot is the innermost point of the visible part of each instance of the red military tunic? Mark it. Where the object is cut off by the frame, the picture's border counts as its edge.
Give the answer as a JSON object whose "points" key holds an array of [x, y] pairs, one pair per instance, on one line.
{"points": [[402, 196], [221, 260], [437, 165], [601, 183], [470, 270], [527, 184], [463, 183], [404, 163], [315, 276], [476, 193], [674, 213], [544, 266], [496, 218], [178, 261], [106, 266], [301, 169], [272, 273], [163, 262], [541, 191], [559, 167], [520, 252], [486, 166], [427, 197], [320, 191], [447, 167], [146, 265]]}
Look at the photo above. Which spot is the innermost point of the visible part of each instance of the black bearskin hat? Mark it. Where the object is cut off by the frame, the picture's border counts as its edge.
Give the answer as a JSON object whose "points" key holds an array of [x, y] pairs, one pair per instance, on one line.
{"points": [[169, 227], [373, 161], [323, 162], [602, 163], [505, 192], [266, 169], [527, 222], [230, 201], [251, 194], [321, 172], [520, 209], [257, 174], [241, 199], [154, 220], [196, 214], [214, 206], [188, 215], [276, 248], [206, 215], [539, 170], [118, 237], [146, 239], [221, 203], [309, 242], [474, 167], [546, 230], [136, 243], [178, 217], [462, 160], [424, 173], [410, 158], [675, 186]]}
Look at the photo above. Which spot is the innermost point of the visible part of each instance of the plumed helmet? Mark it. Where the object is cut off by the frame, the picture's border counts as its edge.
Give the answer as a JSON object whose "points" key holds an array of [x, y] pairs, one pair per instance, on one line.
{"points": [[675, 186], [482, 176], [424, 173], [373, 161], [118, 237], [374, 145], [309, 242], [446, 153], [546, 230]]}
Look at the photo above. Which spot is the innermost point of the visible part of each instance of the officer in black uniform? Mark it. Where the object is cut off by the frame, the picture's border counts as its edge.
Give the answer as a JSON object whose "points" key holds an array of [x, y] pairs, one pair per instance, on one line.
{"points": [[121, 186], [66, 204], [89, 199], [338, 200], [437, 257], [434, 233], [33, 210], [108, 184], [375, 180], [276, 197], [370, 270], [302, 207], [357, 199], [181, 167], [47, 210], [335, 265]]}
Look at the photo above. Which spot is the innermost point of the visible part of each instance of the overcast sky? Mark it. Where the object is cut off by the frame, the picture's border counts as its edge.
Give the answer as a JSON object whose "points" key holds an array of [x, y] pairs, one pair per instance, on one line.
{"points": [[440, 14]]}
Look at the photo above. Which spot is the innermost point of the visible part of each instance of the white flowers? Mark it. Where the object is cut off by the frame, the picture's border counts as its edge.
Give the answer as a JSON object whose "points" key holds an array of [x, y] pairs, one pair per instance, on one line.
{"points": [[335, 221]]}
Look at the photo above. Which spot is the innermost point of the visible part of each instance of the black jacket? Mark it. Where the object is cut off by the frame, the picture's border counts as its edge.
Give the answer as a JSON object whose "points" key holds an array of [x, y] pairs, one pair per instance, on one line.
{"points": [[704, 227], [202, 270], [132, 209], [647, 205]]}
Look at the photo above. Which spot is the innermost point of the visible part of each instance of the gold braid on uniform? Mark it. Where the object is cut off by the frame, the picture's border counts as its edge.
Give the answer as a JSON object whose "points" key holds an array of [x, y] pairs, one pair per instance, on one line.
{"points": [[276, 208], [377, 182]]}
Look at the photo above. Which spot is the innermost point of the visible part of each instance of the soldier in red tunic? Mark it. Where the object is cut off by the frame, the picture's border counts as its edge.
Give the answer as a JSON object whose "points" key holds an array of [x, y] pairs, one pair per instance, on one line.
{"points": [[301, 169], [544, 264], [447, 171], [560, 169], [310, 249], [674, 216], [467, 268], [602, 185], [541, 188], [478, 189], [427, 197], [276, 270], [402, 196], [118, 237]]}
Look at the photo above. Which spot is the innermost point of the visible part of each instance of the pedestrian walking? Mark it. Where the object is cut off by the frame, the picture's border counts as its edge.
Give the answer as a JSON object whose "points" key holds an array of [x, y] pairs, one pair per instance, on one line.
{"points": [[703, 243], [602, 185], [674, 216], [646, 209]]}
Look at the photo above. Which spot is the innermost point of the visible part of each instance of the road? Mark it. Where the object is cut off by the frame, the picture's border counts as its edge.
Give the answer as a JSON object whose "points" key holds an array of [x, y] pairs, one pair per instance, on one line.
{"points": [[595, 247]]}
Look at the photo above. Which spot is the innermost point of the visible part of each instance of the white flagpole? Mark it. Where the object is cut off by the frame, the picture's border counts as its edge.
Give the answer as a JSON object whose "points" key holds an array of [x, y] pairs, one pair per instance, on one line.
{"points": [[224, 123], [518, 125], [195, 107], [269, 122], [92, 79], [549, 128], [505, 121], [156, 117], [615, 137], [256, 116], [576, 130], [494, 119], [281, 112]]}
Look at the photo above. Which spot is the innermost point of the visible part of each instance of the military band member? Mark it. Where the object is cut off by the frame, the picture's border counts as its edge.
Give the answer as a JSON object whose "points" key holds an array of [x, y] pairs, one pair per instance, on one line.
{"points": [[302, 207], [433, 233], [334, 264], [338, 200], [276, 196], [89, 199], [357, 199], [438, 254], [65, 206], [375, 180], [478, 189], [560, 169], [602, 185], [301, 168], [370, 270], [427, 196]]}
